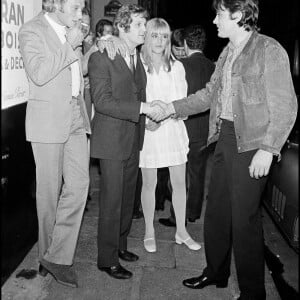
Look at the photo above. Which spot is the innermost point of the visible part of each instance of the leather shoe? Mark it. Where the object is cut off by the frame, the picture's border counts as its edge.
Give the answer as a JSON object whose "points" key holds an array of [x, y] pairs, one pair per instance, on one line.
{"points": [[167, 222], [117, 272], [128, 256], [202, 281], [63, 274], [42, 271]]}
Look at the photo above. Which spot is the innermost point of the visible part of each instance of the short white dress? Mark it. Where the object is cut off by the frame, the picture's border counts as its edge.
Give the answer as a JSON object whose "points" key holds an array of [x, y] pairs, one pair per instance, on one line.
{"points": [[169, 144]]}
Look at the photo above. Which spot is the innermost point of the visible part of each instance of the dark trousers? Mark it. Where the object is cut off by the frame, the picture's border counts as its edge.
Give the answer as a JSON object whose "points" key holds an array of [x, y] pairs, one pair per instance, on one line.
{"points": [[233, 217], [138, 191], [196, 166], [117, 193]]}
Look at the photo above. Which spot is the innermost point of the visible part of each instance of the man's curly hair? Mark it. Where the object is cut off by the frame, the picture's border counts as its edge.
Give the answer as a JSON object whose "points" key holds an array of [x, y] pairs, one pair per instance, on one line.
{"points": [[123, 16], [195, 37]]}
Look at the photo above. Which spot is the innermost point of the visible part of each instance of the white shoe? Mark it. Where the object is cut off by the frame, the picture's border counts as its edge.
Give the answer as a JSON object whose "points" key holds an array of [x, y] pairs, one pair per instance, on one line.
{"points": [[150, 244], [189, 242]]}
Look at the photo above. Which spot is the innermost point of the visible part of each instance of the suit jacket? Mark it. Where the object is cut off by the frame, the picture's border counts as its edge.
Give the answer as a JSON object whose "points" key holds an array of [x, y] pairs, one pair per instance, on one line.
{"points": [[117, 96], [47, 64], [264, 102], [198, 70]]}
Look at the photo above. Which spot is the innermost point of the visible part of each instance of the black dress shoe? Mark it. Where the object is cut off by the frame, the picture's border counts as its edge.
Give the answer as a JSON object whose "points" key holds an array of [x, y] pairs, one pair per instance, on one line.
{"points": [[128, 256], [42, 271], [137, 215], [203, 281], [117, 272], [167, 222]]}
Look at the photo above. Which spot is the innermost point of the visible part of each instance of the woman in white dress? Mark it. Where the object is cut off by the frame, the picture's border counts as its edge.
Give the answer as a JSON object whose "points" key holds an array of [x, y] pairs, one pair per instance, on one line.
{"points": [[165, 143]]}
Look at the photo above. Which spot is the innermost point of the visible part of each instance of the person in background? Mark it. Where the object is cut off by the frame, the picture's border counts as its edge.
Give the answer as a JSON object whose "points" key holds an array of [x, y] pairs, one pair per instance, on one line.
{"points": [[165, 143], [177, 43], [118, 92], [57, 125], [81, 51], [253, 107], [104, 27], [198, 70]]}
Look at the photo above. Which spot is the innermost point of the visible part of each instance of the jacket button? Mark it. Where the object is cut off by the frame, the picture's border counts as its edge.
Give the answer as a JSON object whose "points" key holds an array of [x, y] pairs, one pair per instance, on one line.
{"points": [[235, 115], [239, 148]]}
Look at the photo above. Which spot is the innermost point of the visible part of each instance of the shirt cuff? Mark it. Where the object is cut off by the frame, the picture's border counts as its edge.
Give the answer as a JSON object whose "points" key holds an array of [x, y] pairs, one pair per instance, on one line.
{"points": [[141, 108]]}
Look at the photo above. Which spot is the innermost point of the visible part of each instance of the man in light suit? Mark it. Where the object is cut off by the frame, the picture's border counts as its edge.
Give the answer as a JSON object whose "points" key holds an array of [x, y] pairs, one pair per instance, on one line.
{"points": [[118, 90], [56, 126]]}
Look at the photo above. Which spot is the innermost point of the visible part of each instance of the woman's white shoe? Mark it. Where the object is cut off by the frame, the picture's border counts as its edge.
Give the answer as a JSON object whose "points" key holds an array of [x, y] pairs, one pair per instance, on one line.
{"points": [[150, 244], [189, 242]]}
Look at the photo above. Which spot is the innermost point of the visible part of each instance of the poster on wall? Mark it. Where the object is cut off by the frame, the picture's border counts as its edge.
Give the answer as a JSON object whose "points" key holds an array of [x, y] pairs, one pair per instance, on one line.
{"points": [[13, 78]]}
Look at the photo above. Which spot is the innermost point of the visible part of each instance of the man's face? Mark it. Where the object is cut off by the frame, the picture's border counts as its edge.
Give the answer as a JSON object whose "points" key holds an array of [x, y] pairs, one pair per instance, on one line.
{"points": [[85, 24], [70, 12], [107, 29], [136, 34], [226, 26], [178, 52]]}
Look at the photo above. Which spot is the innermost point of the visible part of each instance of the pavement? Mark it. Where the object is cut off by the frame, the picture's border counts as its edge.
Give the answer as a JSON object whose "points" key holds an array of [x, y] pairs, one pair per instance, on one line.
{"points": [[157, 276]]}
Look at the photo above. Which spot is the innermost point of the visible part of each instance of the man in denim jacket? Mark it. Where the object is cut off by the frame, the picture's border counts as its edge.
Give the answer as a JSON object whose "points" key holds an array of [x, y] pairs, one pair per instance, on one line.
{"points": [[253, 108]]}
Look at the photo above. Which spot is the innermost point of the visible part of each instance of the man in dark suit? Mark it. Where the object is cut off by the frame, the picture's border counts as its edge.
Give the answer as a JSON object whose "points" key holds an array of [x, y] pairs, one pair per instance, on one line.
{"points": [[118, 90], [198, 70]]}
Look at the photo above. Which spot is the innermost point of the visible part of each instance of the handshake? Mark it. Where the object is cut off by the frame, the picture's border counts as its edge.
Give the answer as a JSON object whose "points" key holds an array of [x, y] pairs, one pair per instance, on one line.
{"points": [[158, 110]]}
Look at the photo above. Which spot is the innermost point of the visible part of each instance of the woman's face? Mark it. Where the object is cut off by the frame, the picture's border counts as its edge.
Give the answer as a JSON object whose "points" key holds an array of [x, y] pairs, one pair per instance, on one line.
{"points": [[158, 42]]}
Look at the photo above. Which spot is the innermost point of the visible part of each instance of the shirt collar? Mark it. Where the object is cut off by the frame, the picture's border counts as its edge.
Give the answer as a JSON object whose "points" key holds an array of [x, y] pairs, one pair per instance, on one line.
{"points": [[241, 45], [60, 29]]}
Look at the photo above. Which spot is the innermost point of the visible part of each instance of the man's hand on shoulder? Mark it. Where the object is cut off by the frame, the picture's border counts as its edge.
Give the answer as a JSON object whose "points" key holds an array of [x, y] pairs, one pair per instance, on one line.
{"points": [[113, 45]]}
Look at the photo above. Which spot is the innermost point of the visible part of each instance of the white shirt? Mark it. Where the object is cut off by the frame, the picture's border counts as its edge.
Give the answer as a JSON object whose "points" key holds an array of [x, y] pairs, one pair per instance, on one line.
{"points": [[61, 33], [127, 58]]}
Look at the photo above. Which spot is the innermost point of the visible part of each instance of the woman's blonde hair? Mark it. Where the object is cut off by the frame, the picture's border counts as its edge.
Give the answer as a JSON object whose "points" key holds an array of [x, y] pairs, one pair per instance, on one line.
{"points": [[160, 26]]}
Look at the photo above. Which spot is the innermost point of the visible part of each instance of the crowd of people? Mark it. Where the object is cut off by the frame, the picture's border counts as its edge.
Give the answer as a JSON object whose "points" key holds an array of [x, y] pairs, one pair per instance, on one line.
{"points": [[138, 97]]}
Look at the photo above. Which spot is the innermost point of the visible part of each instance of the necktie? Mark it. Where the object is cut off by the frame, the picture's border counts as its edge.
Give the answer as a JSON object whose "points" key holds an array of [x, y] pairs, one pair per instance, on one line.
{"points": [[131, 63]]}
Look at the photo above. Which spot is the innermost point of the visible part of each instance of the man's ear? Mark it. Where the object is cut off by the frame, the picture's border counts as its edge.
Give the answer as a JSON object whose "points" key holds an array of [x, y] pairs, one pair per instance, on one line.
{"points": [[185, 46], [237, 16], [120, 28]]}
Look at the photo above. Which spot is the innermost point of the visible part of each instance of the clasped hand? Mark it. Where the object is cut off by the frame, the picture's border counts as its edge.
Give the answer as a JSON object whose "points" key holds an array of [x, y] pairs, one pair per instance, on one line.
{"points": [[157, 110]]}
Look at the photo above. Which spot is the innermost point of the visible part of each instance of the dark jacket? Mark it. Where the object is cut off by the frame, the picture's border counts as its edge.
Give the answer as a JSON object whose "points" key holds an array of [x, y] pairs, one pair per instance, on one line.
{"points": [[117, 97], [198, 70], [264, 102]]}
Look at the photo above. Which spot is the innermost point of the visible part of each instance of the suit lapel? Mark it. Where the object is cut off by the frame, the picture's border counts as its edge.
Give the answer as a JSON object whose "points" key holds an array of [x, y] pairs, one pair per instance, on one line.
{"points": [[140, 75], [50, 33], [123, 64]]}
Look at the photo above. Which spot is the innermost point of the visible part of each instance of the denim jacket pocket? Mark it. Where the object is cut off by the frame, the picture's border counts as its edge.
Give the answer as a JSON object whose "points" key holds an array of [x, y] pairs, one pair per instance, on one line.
{"points": [[254, 89]]}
